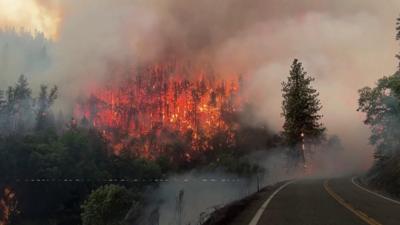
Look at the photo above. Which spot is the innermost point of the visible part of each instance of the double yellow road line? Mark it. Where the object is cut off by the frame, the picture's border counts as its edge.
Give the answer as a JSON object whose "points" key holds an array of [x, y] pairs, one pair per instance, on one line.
{"points": [[347, 205]]}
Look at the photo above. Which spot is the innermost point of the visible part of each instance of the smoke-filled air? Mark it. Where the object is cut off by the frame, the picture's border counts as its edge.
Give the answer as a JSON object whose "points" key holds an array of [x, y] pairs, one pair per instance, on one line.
{"points": [[170, 112]]}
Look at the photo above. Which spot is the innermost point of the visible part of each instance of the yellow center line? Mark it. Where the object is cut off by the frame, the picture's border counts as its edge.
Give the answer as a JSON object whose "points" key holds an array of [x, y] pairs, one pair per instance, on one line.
{"points": [[356, 212]]}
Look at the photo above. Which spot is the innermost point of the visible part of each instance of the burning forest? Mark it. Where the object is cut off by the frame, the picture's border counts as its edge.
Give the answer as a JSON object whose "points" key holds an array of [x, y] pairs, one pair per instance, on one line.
{"points": [[146, 110], [157, 112]]}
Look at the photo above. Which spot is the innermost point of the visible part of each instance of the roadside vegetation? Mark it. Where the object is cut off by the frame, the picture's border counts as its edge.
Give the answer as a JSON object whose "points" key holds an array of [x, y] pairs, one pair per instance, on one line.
{"points": [[381, 105], [63, 171], [301, 109]]}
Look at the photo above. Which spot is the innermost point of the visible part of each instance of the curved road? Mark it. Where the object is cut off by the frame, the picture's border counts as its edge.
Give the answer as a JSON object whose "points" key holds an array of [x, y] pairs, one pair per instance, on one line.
{"points": [[326, 202]]}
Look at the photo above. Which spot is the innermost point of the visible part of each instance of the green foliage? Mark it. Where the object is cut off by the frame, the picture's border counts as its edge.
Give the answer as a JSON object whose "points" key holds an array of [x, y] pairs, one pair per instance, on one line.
{"points": [[2, 99], [398, 35], [398, 28], [129, 167], [85, 155], [78, 151], [382, 107], [386, 175], [381, 104], [44, 102], [76, 154], [18, 108], [22, 90], [108, 205], [164, 163], [301, 108], [234, 165]]}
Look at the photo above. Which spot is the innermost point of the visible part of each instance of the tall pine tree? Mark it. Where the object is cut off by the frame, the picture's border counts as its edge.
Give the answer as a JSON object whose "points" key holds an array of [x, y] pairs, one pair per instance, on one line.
{"points": [[2, 109], [301, 108], [398, 36], [44, 102], [2, 102]]}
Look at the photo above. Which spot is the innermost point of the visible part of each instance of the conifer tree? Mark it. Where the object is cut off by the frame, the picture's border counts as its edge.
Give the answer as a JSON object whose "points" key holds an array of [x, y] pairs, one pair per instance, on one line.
{"points": [[398, 36], [301, 110], [44, 102], [2, 109], [19, 105]]}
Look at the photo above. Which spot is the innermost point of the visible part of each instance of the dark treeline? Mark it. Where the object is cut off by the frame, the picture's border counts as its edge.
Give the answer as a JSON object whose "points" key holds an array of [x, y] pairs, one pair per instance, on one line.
{"points": [[22, 113], [381, 104], [34, 144]]}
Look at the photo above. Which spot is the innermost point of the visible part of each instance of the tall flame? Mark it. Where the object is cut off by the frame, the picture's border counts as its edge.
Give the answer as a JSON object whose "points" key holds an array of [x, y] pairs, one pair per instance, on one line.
{"points": [[189, 102]]}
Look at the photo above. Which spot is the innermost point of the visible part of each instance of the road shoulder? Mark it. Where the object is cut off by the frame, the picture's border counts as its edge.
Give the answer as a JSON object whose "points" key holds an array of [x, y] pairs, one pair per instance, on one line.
{"points": [[363, 185], [381, 209], [242, 211]]}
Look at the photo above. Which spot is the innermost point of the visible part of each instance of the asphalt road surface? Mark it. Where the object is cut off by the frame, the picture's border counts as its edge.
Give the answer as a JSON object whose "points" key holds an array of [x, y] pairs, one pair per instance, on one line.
{"points": [[326, 202]]}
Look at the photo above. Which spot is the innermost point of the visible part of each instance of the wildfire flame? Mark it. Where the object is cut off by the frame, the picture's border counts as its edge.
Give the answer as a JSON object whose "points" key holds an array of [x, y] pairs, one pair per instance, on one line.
{"points": [[8, 206], [185, 100]]}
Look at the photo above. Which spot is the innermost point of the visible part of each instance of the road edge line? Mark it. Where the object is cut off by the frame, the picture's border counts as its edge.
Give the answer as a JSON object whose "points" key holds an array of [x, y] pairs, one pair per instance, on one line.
{"points": [[261, 210], [361, 215], [374, 193]]}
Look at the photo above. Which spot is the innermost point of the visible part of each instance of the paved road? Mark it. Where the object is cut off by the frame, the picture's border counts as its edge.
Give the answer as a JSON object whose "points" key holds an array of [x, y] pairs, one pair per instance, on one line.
{"points": [[328, 202]]}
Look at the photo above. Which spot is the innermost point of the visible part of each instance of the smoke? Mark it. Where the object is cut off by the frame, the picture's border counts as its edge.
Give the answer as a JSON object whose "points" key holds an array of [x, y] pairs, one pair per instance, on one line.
{"points": [[344, 44], [31, 15], [185, 197], [20, 53], [190, 197]]}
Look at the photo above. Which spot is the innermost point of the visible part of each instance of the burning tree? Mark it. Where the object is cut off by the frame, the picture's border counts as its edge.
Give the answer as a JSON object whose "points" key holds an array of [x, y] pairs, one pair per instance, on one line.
{"points": [[171, 107], [8, 206], [301, 111]]}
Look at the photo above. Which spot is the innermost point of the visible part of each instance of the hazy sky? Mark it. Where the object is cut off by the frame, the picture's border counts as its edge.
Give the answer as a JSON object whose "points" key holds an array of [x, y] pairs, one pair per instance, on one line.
{"points": [[344, 44]]}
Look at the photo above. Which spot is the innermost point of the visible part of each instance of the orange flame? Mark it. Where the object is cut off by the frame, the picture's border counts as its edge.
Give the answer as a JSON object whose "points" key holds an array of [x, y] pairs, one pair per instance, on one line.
{"points": [[8, 206], [183, 99]]}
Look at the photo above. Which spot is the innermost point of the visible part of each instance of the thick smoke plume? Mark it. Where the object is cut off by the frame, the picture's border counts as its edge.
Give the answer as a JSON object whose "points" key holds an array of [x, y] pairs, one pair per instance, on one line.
{"points": [[191, 197], [188, 199], [344, 44]]}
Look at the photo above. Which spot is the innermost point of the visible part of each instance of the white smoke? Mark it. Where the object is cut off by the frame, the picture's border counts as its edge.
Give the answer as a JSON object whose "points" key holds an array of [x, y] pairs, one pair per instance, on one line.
{"points": [[190, 197], [345, 45]]}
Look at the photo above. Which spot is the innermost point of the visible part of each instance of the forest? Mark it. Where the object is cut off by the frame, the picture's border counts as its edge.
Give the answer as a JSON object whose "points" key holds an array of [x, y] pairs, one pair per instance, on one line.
{"points": [[123, 113], [50, 165], [380, 104]]}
